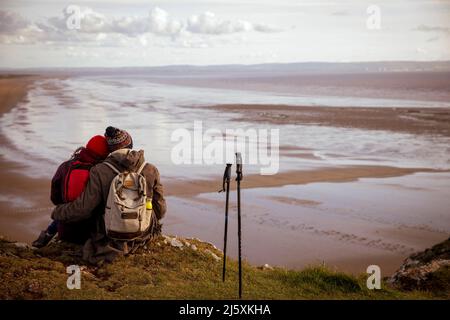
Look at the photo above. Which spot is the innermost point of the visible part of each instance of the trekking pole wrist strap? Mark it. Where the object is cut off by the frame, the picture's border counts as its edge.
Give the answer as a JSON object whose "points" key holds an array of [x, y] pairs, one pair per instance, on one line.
{"points": [[226, 177]]}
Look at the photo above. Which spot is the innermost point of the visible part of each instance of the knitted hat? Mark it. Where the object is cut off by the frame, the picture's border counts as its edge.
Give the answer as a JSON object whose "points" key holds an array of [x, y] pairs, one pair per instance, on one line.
{"points": [[118, 139], [98, 146]]}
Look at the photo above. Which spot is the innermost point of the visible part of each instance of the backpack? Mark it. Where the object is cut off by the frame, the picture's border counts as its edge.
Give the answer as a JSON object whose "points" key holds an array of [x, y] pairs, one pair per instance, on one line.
{"points": [[126, 214], [75, 180], [75, 177]]}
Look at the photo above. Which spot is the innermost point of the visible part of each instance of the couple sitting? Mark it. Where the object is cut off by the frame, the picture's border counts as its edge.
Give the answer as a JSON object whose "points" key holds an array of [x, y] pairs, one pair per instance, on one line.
{"points": [[108, 198]]}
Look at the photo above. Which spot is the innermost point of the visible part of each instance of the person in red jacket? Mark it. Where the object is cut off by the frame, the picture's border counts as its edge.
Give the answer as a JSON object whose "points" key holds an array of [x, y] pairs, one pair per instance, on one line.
{"points": [[68, 183]]}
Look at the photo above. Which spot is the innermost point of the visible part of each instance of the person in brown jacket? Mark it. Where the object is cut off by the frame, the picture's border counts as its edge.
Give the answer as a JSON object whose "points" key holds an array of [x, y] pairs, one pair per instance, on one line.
{"points": [[91, 203]]}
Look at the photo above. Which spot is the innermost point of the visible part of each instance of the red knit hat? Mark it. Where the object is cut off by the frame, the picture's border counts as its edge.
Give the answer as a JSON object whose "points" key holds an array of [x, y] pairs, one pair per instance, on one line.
{"points": [[98, 146]]}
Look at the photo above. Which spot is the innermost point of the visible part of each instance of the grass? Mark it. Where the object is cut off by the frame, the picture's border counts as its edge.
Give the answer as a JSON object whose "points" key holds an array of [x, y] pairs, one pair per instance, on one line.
{"points": [[165, 272]]}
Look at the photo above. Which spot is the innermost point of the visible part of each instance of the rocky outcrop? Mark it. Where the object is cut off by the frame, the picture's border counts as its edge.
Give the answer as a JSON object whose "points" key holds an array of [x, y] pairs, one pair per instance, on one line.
{"points": [[426, 270]]}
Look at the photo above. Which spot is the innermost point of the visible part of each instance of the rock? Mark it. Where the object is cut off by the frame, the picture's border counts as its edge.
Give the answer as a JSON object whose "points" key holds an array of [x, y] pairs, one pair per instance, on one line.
{"points": [[215, 257], [426, 270], [214, 246], [190, 245], [22, 245], [267, 267], [176, 243]]}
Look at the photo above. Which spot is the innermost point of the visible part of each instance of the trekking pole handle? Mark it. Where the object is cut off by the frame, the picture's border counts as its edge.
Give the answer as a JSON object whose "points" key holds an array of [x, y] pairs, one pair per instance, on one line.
{"points": [[226, 176], [239, 174]]}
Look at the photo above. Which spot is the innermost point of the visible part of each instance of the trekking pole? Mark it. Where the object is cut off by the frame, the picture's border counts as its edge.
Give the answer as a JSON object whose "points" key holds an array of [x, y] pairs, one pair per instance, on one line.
{"points": [[226, 180], [238, 179]]}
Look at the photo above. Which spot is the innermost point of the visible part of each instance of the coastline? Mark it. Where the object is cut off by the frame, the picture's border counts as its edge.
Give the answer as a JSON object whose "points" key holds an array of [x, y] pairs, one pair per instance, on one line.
{"points": [[13, 89], [17, 219]]}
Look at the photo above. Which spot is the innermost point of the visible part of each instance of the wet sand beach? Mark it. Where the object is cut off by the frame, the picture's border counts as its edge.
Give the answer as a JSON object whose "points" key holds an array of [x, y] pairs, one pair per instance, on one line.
{"points": [[13, 89], [15, 219], [344, 215], [405, 120], [298, 177]]}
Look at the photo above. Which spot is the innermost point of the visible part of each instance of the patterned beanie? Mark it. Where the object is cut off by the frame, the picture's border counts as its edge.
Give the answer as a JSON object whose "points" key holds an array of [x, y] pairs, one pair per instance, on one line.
{"points": [[118, 139]]}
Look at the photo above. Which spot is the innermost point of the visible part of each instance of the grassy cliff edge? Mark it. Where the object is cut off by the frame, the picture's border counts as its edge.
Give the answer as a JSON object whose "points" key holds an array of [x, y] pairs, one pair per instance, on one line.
{"points": [[173, 268]]}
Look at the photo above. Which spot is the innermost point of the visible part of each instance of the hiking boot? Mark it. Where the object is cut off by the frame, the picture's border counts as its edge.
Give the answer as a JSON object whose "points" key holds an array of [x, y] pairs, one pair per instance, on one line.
{"points": [[43, 240]]}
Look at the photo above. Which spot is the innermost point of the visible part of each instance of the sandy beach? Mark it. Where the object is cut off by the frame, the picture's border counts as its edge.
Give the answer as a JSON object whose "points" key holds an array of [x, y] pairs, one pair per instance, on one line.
{"points": [[328, 238], [336, 174], [13, 89], [406, 120], [14, 220]]}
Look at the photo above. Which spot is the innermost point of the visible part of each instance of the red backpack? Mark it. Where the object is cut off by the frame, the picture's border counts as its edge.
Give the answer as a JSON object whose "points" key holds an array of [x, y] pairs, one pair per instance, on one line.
{"points": [[76, 179]]}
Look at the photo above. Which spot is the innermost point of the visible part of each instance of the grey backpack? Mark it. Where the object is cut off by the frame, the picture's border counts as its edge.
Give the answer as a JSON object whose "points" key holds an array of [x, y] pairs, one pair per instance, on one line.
{"points": [[126, 213]]}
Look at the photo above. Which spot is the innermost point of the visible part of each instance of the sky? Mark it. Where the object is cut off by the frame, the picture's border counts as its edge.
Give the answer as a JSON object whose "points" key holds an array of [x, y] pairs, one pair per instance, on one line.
{"points": [[112, 33]]}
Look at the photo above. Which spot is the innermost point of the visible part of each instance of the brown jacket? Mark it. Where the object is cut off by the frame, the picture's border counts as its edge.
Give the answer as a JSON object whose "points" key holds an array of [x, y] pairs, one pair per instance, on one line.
{"points": [[91, 203]]}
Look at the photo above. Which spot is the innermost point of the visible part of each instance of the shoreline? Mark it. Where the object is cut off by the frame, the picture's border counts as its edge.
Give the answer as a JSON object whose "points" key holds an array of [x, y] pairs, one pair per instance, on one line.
{"points": [[14, 89]]}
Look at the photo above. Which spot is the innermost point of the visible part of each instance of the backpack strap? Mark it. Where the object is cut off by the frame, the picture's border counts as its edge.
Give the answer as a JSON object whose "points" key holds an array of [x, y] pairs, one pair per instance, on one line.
{"points": [[112, 167], [120, 188], [141, 168]]}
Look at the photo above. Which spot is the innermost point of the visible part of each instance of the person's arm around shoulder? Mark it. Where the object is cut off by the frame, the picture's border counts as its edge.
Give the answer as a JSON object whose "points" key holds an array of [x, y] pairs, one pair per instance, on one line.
{"points": [[83, 207]]}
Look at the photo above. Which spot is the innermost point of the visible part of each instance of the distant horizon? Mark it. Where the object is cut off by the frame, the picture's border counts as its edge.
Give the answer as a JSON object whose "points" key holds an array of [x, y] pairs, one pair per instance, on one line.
{"points": [[173, 66]]}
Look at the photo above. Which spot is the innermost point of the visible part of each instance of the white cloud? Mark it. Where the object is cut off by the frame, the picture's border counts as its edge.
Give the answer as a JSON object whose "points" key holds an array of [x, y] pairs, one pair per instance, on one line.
{"points": [[92, 22], [161, 23], [99, 29], [208, 23], [11, 22], [267, 28]]}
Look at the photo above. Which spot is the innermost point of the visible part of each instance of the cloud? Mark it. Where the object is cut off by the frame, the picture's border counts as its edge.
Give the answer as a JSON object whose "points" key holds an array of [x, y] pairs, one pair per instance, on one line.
{"points": [[161, 23], [100, 29], [11, 22], [14, 29], [209, 23], [266, 28], [425, 28], [421, 51]]}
